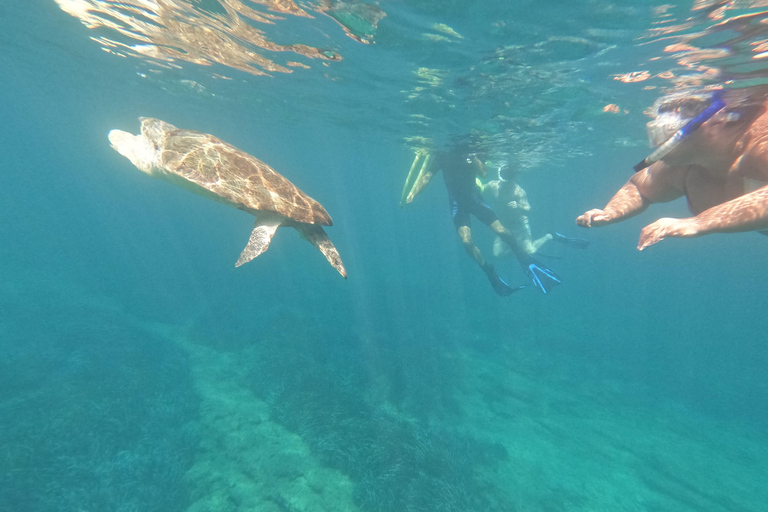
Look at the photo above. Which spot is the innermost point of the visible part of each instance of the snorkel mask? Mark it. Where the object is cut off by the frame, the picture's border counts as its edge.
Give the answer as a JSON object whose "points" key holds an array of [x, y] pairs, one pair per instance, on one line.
{"points": [[678, 116]]}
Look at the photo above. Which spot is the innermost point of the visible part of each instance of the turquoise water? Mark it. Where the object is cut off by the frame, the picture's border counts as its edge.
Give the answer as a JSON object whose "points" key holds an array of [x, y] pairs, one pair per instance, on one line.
{"points": [[142, 371]]}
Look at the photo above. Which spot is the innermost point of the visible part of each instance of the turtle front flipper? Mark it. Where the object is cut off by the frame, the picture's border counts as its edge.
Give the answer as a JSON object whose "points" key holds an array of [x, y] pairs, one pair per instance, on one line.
{"points": [[263, 230], [315, 234]]}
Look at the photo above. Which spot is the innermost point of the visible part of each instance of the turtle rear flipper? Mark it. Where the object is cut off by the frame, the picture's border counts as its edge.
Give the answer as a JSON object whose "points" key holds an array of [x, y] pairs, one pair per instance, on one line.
{"points": [[315, 234], [263, 230]]}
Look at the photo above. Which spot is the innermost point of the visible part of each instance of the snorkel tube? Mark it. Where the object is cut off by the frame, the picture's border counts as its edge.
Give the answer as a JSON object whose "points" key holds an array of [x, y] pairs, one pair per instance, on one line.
{"points": [[716, 106], [500, 170]]}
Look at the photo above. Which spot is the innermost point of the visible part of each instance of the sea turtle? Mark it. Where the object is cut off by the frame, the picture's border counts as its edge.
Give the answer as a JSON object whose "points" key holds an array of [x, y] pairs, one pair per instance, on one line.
{"points": [[211, 167]]}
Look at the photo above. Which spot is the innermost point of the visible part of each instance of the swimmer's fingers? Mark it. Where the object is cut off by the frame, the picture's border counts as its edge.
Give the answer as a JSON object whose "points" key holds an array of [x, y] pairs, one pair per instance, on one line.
{"points": [[591, 218], [666, 228]]}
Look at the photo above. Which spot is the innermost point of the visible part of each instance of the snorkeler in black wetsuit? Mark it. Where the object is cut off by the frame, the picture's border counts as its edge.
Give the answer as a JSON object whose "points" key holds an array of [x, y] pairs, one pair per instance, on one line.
{"points": [[459, 172], [460, 167]]}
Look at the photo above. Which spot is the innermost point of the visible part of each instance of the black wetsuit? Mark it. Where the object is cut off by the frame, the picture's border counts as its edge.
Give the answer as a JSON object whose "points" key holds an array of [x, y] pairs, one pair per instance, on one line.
{"points": [[463, 193]]}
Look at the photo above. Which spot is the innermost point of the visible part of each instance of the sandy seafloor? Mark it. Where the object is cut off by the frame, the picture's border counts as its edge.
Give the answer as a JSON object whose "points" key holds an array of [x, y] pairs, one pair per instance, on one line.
{"points": [[140, 371]]}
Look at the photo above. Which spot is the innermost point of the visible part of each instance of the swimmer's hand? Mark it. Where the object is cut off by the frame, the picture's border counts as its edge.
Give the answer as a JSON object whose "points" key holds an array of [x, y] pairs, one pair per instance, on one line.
{"points": [[593, 218], [512, 204], [666, 228]]}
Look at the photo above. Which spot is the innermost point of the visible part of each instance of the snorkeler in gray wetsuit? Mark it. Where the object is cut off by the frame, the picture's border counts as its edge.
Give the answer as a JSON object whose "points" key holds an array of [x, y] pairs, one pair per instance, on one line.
{"points": [[510, 202], [460, 167]]}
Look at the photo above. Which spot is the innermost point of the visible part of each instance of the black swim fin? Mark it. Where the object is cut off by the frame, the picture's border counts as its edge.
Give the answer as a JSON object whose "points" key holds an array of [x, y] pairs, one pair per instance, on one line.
{"points": [[579, 243], [499, 285], [542, 276]]}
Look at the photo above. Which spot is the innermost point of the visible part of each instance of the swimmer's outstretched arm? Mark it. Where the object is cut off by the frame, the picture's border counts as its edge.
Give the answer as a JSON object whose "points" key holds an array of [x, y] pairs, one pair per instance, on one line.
{"points": [[657, 184], [745, 213], [627, 203]]}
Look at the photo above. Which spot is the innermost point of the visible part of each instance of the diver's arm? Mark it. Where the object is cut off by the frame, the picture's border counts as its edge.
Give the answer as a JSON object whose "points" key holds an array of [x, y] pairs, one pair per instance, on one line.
{"points": [[481, 169], [745, 213], [522, 199], [657, 184]]}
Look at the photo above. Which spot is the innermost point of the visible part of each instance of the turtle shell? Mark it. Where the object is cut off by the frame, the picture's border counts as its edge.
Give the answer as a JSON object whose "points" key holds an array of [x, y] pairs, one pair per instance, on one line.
{"points": [[231, 175]]}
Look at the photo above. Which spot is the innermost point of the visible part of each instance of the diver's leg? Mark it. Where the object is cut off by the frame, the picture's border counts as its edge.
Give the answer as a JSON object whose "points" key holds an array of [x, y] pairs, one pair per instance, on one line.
{"points": [[523, 233], [536, 244], [465, 233], [524, 237], [506, 236], [500, 249], [461, 220], [483, 212], [499, 286], [542, 276]]}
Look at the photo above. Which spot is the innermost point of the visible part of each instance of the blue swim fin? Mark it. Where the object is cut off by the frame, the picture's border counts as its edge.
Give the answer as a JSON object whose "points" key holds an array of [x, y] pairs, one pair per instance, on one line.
{"points": [[542, 276], [499, 285], [579, 243]]}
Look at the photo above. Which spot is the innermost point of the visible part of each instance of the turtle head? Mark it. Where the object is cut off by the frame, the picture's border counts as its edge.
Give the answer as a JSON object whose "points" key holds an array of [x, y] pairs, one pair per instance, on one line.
{"points": [[143, 150], [135, 148]]}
